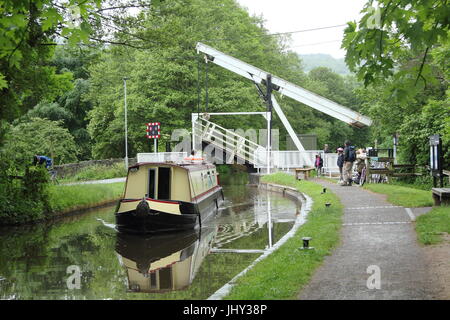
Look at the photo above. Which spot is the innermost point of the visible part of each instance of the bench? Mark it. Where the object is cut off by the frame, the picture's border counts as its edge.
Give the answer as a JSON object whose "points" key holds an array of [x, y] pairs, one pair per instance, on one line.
{"points": [[446, 173], [441, 196], [303, 173]]}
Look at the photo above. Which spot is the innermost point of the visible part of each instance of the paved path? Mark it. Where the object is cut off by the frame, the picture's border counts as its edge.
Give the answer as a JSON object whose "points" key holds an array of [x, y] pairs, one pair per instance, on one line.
{"points": [[378, 236], [104, 181]]}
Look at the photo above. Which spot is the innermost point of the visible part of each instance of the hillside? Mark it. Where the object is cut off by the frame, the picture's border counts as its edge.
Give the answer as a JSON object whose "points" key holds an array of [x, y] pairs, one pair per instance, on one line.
{"points": [[311, 61]]}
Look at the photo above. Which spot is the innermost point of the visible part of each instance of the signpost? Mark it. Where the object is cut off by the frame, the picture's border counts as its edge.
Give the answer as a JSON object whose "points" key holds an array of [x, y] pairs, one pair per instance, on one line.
{"points": [[395, 147], [436, 159], [154, 132]]}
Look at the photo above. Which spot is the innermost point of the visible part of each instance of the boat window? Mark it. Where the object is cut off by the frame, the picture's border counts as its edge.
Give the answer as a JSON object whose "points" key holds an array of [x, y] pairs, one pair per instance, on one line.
{"points": [[210, 180], [165, 278], [153, 284], [151, 183], [164, 183]]}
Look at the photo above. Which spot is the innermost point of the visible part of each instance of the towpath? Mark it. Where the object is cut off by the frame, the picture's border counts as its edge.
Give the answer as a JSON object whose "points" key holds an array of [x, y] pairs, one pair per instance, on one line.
{"points": [[378, 257], [104, 181]]}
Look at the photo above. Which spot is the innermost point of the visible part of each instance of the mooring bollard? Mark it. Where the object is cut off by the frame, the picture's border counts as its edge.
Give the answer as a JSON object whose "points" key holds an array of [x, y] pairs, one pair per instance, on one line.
{"points": [[306, 243]]}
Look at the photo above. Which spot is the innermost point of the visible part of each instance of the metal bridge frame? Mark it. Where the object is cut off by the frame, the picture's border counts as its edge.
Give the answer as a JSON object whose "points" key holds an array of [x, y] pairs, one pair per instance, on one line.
{"points": [[284, 87]]}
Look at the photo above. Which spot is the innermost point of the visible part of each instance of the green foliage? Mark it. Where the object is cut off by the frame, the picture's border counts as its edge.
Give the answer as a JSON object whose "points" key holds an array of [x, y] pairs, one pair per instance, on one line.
{"points": [[401, 53], [75, 59], [23, 187], [417, 128], [42, 137], [51, 111], [394, 40], [73, 102], [24, 197], [27, 26], [163, 81], [28, 33]]}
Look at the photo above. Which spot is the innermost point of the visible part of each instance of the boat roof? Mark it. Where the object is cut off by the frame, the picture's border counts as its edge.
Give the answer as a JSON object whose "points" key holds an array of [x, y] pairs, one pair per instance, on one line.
{"points": [[187, 165]]}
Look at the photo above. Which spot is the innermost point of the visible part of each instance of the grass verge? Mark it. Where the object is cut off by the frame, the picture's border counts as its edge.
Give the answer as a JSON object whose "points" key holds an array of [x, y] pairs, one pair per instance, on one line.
{"points": [[76, 197], [287, 270], [402, 196], [97, 172], [431, 226]]}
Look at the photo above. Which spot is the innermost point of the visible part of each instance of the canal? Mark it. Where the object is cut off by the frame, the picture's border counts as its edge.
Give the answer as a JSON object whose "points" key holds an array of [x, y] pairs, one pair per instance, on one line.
{"points": [[84, 257]]}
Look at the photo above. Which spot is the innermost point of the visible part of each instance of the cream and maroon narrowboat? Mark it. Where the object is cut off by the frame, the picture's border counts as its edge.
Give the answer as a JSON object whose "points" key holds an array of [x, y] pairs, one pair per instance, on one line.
{"points": [[168, 197]]}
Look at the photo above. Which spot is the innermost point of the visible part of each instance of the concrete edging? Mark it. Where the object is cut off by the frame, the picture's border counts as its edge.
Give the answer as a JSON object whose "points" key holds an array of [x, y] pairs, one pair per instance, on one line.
{"points": [[306, 202]]}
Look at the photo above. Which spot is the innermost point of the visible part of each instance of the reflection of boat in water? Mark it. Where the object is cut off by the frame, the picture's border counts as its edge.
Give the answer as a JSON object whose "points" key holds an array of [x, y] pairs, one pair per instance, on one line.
{"points": [[163, 262], [168, 197]]}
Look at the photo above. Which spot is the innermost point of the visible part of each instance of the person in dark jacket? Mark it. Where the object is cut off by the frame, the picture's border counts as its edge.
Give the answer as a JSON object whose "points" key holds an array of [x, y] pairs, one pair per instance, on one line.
{"points": [[349, 158], [340, 163]]}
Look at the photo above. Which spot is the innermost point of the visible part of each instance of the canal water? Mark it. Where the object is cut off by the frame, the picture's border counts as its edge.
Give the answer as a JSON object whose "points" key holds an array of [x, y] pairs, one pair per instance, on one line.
{"points": [[84, 257]]}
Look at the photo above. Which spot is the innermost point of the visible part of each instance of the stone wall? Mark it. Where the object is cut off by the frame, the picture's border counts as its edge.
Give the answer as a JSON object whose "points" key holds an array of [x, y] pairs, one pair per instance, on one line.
{"points": [[73, 168]]}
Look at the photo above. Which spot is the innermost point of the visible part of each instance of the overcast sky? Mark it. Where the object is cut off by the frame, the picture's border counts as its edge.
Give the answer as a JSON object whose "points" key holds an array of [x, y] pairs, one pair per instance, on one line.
{"points": [[293, 15]]}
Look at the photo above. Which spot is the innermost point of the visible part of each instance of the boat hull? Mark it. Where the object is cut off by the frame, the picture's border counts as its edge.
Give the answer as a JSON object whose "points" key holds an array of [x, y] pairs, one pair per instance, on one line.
{"points": [[175, 216]]}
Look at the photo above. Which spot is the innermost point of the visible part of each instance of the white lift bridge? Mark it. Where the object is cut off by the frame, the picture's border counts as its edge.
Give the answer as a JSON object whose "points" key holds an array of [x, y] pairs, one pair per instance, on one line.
{"points": [[247, 150]]}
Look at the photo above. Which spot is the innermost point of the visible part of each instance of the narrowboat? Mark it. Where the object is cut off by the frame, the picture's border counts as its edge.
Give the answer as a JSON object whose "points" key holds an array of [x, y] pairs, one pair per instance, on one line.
{"points": [[168, 196]]}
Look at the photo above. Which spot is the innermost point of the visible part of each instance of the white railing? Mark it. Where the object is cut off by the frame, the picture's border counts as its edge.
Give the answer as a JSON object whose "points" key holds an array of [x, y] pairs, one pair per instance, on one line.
{"points": [[286, 160], [244, 149], [228, 141], [330, 163], [161, 157]]}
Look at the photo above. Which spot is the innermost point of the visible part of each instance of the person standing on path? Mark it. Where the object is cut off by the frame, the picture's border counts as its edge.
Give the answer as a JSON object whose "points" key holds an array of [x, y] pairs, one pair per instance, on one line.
{"points": [[349, 158], [318, 163], [340, 163]]}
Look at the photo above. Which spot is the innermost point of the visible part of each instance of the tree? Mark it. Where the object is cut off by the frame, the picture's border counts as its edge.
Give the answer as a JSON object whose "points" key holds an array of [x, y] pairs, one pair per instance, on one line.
{"points": [[42, 137], [162, 83], [30, 29], [24, 193], [401, 52], [395, 40]]}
